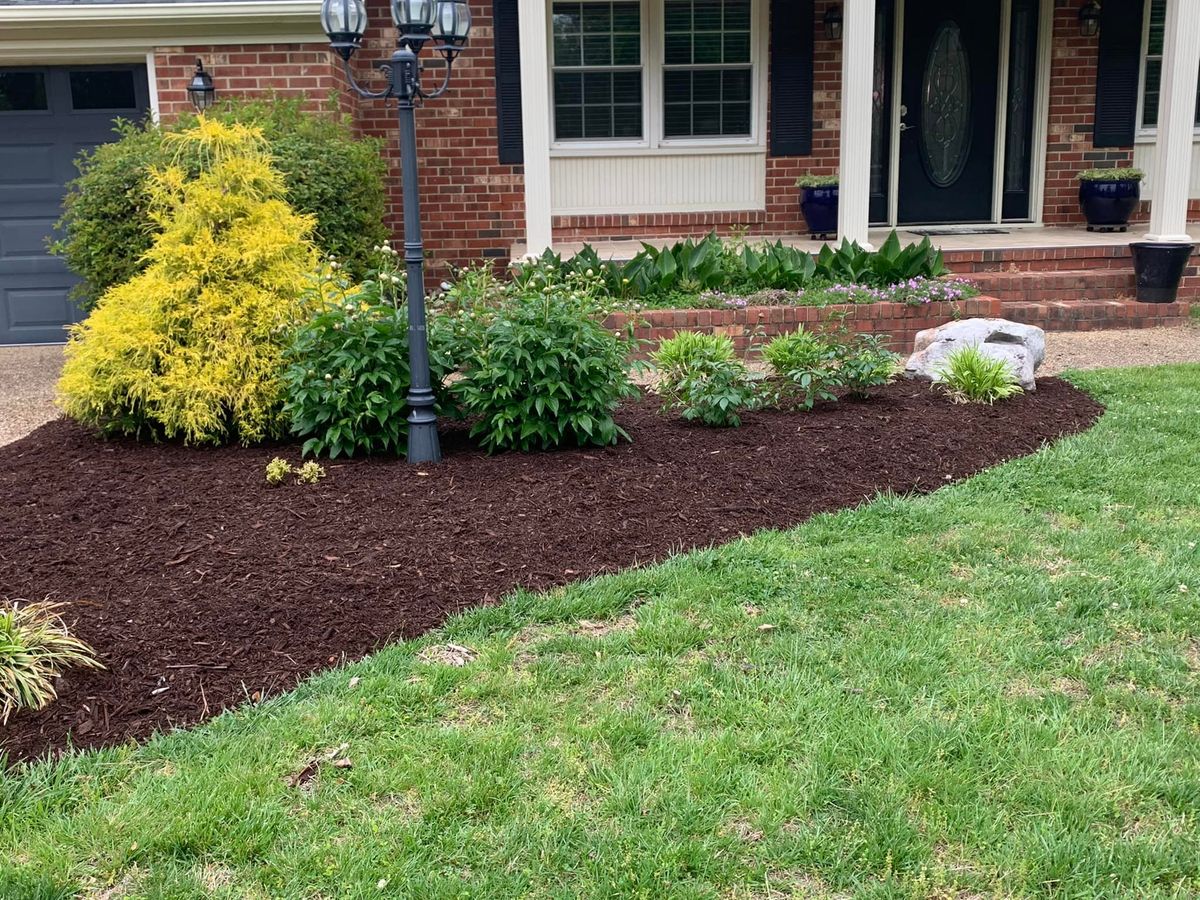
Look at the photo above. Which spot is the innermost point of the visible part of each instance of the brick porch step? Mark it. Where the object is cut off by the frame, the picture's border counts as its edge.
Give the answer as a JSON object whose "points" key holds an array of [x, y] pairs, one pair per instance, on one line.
{"points": [[1070, 284]]}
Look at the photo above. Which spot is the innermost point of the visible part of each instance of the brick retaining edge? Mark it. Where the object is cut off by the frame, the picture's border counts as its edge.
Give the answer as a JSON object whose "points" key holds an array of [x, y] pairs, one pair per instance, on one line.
{"points": [[899, 322]]}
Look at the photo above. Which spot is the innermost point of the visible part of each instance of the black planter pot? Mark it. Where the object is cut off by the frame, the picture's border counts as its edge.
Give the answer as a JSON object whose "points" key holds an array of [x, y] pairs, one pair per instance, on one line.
{"points": [[820, 208], [1107, 205], [1159, 268]]}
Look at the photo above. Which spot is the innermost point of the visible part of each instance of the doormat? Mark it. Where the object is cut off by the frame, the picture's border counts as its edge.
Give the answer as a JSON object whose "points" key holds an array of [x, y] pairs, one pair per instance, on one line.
{"points": [[947, 232]]}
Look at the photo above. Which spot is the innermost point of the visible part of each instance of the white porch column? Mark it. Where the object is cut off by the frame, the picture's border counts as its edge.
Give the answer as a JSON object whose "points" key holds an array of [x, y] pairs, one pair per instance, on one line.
{"points": [[535, 123], [1176, 122], [854, 154]]}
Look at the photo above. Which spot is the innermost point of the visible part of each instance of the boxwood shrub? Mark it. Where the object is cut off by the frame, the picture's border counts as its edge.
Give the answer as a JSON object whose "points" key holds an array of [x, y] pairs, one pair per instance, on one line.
{"points": [[106, 230]]}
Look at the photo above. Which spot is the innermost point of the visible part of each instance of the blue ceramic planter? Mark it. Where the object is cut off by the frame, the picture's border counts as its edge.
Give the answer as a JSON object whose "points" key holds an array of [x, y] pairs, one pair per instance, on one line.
{"points": [[1107, 205], [820, 208]]}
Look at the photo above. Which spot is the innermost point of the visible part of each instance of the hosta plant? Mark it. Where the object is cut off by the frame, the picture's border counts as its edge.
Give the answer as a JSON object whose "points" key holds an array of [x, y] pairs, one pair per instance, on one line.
{"points": [[700, 377], [35, 648], [544, 372], [971, 376]]}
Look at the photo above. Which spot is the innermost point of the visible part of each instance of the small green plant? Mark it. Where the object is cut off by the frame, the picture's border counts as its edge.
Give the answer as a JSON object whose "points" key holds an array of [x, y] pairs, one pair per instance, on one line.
{"points": [[35, 648], [544, 371], [816, 181], [1129, 174], [347, 378], [700, 377], [971, 376], [278, 470], [865, 363], [310, 473], [805, 369]]}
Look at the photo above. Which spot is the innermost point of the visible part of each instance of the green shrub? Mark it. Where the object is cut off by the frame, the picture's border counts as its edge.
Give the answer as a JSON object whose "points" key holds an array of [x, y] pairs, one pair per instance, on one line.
{"points": [[805, 368], [1127, 174], [864, 363], [700, 377], [544, 372], [106, 227], [971, 376], [310, 473], [35, 648], [347, 375], [193, 346]]}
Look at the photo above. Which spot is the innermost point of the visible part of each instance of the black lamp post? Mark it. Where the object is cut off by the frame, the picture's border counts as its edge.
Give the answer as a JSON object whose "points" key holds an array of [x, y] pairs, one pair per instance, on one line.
{"points": [[200, 89], [448, 22]]}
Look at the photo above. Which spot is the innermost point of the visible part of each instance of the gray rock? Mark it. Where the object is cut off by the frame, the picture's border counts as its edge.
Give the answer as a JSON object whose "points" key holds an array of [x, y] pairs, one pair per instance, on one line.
{"points": [[1022, 346]]}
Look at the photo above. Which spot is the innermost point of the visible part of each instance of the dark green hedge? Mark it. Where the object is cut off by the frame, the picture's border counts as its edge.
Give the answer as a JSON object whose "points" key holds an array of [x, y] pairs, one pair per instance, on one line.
{"points": [[338, 178]]}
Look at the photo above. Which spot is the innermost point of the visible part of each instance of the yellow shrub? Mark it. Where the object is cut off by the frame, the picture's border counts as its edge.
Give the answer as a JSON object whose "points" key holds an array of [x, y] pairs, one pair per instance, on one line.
{"points": [[192, 347]]}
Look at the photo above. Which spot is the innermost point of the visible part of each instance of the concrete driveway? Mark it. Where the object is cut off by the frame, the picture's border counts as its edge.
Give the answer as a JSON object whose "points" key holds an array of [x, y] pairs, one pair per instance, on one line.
{"points": [[27, 377]]}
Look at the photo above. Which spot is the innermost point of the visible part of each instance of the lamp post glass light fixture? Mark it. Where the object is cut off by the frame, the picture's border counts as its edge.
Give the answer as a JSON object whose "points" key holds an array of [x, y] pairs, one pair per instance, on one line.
{"points": [[200, 89], [447, 23], [1089, 18], [833, 22]]}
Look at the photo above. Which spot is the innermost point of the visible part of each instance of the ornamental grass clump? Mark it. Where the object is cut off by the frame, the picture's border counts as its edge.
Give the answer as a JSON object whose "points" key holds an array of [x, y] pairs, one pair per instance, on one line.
{"points": [[542, 371], [192, 347], [35, 648], [700, 377], [971, 376]]}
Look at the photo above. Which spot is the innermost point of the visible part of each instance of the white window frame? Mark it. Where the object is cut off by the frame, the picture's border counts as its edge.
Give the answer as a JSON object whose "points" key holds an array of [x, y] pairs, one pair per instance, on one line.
{"points": [[1145, 132], [653, 141]]}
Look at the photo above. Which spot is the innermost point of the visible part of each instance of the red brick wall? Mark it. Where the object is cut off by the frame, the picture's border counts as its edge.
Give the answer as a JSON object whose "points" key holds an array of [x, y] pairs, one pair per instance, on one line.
{"points": [[473, 207]]}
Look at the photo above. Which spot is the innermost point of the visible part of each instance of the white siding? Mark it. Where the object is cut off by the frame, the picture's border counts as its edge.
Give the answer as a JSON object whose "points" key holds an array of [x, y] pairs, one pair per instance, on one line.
{"points": [[1143, 158], [658, 183]]}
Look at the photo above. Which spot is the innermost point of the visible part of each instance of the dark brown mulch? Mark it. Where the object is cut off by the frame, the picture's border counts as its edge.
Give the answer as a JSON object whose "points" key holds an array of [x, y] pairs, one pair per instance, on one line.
{"points": [[186, 571]]}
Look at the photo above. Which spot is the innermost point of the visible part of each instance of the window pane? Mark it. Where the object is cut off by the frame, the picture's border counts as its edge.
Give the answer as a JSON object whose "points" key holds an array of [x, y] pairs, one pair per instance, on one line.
{"points": [[627, 120], [597, 88], [567, 50], [568, 88], [735, 86], [1150, 96], [627, 17], [677, 86], [597, 122], [22, 91], [737, 47], [677, 120], [735, 118], [706, 49], [706, 15], [706, 119], [627, 49], [597, 49], [627, 88], [103, 89], [568, 122], [597, 17], [677, 15]]}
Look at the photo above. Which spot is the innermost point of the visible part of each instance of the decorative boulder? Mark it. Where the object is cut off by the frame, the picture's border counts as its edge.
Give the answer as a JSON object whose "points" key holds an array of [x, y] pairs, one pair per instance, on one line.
{"points": [[1022, 346]]}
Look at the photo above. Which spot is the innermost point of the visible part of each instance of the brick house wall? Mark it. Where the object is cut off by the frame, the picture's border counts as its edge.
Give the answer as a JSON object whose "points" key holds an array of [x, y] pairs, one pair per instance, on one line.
{"points": [[473, 206]]}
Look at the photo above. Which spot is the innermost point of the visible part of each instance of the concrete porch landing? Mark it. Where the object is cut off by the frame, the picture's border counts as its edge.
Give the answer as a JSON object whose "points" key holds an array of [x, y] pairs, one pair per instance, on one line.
{"points": [[950, 240]]}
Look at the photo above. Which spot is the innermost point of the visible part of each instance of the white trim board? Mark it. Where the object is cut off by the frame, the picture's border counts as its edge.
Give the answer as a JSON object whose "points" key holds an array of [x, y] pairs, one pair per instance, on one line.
{"points": [[126, 32]]}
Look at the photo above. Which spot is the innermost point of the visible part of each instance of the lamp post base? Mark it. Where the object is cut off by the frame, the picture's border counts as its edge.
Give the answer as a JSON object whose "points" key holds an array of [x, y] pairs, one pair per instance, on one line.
{"points": [[423, 444]]}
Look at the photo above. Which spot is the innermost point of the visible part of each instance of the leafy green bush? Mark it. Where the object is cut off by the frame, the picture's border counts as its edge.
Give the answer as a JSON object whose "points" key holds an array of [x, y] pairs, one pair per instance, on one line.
{"points": [[193, 346], [106, 227], [35, 648], [700, 377], [543, 371], [971, 376], [347, 375], [864, 363], [891, 264], [805, 368]]}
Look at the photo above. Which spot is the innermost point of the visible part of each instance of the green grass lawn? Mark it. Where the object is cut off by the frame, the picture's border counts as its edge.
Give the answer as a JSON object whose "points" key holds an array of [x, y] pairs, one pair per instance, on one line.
{"points": [[990, 691]]}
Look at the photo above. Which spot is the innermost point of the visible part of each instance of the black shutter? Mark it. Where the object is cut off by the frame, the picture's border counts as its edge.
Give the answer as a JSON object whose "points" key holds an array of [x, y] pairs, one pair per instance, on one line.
{"points": [[791, 77], [506, 35], [1118, 72]]}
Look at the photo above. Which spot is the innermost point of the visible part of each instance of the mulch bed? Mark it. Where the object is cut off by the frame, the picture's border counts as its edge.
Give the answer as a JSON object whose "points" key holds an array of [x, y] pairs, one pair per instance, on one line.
{"points": [[200, 586]]}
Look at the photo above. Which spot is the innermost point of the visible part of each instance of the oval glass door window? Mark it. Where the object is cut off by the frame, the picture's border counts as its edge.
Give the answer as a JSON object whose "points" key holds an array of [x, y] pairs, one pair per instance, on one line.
{"points": [[946, 107]]}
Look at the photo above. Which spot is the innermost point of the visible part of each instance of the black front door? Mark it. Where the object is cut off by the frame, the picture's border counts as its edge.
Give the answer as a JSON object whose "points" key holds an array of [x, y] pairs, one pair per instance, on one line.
{"points": [[948, 94]]}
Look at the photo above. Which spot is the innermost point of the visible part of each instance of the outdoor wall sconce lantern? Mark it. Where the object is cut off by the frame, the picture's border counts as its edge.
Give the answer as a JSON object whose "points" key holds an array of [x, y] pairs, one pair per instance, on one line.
{"points": [[833, 22], [447, 23], [1089, 19], [200, 89]]}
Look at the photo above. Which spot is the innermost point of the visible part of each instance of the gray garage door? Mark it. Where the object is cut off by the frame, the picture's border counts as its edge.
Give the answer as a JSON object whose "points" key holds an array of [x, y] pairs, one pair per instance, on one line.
{"points": [[47, 115]]}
